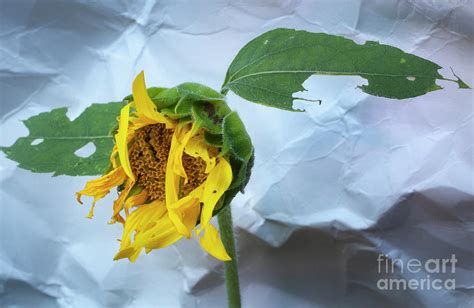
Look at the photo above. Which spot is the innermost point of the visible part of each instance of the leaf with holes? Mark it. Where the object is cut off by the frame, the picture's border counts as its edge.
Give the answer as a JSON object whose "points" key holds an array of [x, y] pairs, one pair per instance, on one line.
{"points": [[273, 66], [54, 142]]}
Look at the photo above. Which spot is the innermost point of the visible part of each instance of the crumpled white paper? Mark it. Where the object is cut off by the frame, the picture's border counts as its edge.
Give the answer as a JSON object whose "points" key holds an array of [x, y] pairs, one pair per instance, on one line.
{"points": [[332, 188]]}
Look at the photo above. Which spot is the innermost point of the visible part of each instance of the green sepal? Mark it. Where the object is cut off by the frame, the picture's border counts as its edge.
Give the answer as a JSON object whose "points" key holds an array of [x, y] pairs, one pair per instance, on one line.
{"points": [[241, 170], [215, 140], [238, 146], [187, 119], [166, 98], [198, 92], [182, 109], [184, 106], [236, 138], [186, 96], [204, 117], [156, 91]]}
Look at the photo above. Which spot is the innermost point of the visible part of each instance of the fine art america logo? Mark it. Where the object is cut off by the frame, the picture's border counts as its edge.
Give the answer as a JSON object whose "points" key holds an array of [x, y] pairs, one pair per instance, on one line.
{"points": [[415, 266]]}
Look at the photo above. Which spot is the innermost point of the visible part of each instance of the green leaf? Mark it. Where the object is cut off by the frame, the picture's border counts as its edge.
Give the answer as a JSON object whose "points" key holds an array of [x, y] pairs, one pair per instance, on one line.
{"points": [[273, 66], [461, 84], [62, 137]]}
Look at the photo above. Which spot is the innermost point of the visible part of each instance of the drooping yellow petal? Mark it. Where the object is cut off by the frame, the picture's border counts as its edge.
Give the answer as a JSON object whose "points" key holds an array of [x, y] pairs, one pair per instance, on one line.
{"points": [[91, 211], [216, 184], [100, 187], [211, 242], [139, 122], [158, 234], [174, 167], [197, 192], [182, 137], [167, 236], [138, 222], [144, 105], [120, 201], [171, 179], [113, 155], [136, 200], [197, 147], [184, 214], [122, 142]]}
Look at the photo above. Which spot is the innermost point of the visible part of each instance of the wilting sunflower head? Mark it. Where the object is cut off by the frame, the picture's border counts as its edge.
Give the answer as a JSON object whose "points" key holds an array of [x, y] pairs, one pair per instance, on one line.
{"points": [[180, 156]]}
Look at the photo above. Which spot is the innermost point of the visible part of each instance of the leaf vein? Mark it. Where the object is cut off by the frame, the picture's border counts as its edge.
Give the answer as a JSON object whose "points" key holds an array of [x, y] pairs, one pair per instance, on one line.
{"points": [[316, 72]]}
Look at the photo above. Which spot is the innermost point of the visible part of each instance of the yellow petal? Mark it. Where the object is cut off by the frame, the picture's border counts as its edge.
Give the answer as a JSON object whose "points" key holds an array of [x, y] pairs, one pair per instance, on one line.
{"points": [[184, 214], [116, 218], [100, 187], [211, 242], [113, 154], [130, 253], [91, 211], [174, 165], [160, 234], [121, 141], [136, 200], [197, 192], [182, 137], [216, 184], [137, 222], [197, 147], [171, 179], [120, 201], [139, 122], [144, 105], [166, 236]]}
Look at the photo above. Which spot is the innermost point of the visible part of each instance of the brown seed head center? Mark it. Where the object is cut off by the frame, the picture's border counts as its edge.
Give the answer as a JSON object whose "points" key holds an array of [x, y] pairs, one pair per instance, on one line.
{"points": [[148, 158]]}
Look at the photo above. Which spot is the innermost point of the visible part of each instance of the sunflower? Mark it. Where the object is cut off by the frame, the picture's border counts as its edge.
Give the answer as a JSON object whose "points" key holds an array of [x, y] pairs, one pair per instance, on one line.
{"points": [[171, 180]]}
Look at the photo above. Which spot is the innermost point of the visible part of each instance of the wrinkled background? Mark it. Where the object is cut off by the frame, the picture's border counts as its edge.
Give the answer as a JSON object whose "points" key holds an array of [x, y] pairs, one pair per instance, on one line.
{"points": [[332, 188]]}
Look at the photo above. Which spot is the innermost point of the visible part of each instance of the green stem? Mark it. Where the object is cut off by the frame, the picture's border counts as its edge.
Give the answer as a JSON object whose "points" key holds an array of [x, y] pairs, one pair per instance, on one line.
{"points": [[231, 270]]}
